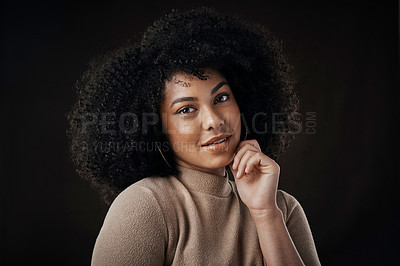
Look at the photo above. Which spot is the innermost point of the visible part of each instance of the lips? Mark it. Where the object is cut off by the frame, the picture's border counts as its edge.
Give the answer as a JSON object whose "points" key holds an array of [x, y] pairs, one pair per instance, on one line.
{"points": [[216, 140]]}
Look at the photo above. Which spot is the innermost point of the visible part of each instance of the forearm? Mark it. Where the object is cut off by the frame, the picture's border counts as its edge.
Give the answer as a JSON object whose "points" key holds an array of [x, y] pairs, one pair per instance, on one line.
{"points": [[275, 242]]}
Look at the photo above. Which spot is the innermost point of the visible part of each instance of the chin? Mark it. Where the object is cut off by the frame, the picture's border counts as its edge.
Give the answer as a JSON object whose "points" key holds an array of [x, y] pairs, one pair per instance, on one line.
{"points": [[220, 162]]}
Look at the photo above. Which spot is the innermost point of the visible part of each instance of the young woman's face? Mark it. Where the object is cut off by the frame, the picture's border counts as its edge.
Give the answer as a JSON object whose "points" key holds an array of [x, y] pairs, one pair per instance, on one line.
{"points": [[202, 120]]}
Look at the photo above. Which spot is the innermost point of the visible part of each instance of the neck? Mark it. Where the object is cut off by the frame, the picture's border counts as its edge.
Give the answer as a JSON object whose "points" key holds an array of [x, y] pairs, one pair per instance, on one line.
{"points": [[200, 181], [215, 171]]}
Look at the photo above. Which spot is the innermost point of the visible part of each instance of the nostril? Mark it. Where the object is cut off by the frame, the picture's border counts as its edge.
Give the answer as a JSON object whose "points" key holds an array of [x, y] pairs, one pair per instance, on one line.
{"points": [[213, 121]]}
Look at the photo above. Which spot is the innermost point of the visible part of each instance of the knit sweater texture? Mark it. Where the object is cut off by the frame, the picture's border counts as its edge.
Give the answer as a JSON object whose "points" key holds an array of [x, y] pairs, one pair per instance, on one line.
{"points": [[195, 218]]}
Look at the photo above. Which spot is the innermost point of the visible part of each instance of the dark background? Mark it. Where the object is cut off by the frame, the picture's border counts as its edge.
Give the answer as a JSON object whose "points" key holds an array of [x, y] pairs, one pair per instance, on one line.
{"points": [[345, 174]]}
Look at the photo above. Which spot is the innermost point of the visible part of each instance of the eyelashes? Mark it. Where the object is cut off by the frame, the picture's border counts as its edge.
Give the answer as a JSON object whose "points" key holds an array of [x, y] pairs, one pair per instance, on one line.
{"points": [[226, 95], [189, 109], [184, 110]]}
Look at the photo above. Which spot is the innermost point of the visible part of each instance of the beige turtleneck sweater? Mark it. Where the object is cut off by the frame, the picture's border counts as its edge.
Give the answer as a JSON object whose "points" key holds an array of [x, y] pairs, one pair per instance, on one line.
{"points": [[196, 218]]}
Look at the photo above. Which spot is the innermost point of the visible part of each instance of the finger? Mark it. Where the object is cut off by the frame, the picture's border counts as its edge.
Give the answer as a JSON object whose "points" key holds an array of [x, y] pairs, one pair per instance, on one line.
{"points": [[240, 154], [252, 162], [252, 142], [243, 162]]}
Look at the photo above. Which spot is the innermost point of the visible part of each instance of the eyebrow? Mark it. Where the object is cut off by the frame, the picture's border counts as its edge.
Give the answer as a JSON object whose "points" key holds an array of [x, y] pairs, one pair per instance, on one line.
{"points": [[214, 90]]}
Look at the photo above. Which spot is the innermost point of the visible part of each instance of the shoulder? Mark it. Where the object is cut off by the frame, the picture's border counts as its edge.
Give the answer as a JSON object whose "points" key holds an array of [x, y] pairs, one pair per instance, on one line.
{"points": [[133, 221], [286, 203], [298, 227], [286, 198], [143, 193], [141, 201]]}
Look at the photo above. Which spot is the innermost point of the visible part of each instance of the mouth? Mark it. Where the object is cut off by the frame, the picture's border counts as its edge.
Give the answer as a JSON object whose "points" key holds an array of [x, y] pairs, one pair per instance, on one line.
{"points": [[216, 142]]}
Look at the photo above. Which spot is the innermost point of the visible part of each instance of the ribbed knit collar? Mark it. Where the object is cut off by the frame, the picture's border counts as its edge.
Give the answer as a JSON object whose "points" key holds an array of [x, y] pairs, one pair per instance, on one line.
{"points": [[203, 182]]}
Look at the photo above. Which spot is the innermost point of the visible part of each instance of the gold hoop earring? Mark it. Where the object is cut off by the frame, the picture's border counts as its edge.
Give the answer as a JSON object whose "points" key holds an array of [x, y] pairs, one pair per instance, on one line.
{"points": [[163, 156], [245, 136]]}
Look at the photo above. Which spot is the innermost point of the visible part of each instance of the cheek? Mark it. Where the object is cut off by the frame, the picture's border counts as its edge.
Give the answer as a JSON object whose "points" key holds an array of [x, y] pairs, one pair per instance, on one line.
{"points": [[182, 131], [233, 118]]}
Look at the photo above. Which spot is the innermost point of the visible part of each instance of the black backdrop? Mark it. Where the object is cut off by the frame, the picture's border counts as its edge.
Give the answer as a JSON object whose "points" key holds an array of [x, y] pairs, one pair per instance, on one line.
{"points": [[344, 174]]}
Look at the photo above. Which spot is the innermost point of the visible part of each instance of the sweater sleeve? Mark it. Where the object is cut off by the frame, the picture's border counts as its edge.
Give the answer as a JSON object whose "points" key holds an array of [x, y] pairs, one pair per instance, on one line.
{"points": [[134, 231], [298, 227]]}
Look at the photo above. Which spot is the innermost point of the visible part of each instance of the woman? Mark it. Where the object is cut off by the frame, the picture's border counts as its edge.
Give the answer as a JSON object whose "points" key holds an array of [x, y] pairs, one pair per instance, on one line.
{"points": [[176, 132]]}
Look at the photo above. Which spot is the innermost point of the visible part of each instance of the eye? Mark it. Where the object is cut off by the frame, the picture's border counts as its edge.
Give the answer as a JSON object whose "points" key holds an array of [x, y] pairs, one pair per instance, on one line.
{"points": [[222, 97], [186, 110]]}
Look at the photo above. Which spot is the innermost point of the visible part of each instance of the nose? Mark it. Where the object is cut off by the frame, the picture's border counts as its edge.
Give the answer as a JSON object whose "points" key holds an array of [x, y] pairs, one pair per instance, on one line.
{"points": [[211, 119]]}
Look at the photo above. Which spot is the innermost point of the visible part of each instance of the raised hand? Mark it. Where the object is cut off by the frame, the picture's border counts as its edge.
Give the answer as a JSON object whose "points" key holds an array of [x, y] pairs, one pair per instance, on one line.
{"points": [[256, 177]]}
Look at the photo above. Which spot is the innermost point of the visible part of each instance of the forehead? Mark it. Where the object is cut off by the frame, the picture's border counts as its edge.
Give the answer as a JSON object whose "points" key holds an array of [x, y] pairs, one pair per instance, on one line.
{"points": [[184, 84]]}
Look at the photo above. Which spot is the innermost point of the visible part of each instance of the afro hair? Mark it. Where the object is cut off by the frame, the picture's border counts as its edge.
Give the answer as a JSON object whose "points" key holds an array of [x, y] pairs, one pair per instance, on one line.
{"points": [[112, 137]]}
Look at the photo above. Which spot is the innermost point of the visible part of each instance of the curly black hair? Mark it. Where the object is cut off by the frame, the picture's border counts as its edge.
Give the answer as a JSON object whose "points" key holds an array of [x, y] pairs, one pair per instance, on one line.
{"points": [[112, 137]]}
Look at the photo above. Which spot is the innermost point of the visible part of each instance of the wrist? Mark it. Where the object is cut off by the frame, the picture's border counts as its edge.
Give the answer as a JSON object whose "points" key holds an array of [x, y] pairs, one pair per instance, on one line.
{"points": [[266, 215]]}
